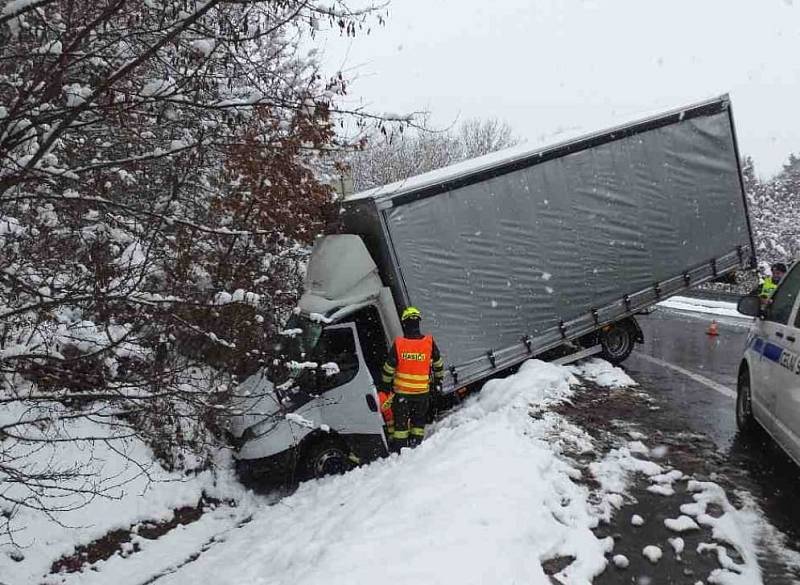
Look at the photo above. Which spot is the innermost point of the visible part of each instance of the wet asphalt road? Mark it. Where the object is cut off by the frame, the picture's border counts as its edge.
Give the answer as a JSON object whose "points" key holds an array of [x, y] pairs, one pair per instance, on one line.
{"points": [[696, 396], [680, 339]]}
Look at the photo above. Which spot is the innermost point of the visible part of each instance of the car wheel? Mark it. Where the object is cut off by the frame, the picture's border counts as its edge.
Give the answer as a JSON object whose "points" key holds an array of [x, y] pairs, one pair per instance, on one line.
{"points": [[327, 457], [617, 343], [745, 420]]}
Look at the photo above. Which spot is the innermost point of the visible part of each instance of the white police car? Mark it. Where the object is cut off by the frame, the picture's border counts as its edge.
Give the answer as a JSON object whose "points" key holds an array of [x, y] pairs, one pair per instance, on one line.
{"points": [[769, 375]]}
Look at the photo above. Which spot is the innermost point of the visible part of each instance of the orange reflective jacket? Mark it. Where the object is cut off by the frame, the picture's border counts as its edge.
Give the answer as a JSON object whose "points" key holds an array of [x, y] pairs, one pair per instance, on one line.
{"points": [[412, 375]]}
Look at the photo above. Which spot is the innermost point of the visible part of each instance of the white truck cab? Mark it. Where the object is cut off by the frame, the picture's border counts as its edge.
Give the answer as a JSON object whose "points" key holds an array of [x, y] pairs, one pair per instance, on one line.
{"points": [[768, 389]]}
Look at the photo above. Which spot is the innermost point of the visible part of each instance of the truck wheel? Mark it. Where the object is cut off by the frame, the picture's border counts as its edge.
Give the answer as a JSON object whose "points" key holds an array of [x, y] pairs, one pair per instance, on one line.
{"points": [[326, 457], [745, 421], [617, 341]]}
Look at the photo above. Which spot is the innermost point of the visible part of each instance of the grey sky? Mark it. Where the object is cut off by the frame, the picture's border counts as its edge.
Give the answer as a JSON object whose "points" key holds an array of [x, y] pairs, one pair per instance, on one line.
{"points": [[547, 66]]}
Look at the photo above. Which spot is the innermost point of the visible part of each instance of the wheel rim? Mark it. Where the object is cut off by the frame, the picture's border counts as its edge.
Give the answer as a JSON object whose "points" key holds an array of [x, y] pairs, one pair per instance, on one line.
{"points": [[330, 462], [615, 341]]}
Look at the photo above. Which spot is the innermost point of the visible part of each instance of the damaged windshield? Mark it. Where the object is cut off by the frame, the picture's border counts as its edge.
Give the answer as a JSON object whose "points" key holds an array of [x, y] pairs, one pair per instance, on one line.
{"points": [[310, 360], [299, 339]]}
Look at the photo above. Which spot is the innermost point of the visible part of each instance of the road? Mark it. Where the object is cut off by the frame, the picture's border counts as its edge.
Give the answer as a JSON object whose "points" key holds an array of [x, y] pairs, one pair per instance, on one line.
{"points": [[691, 377]]}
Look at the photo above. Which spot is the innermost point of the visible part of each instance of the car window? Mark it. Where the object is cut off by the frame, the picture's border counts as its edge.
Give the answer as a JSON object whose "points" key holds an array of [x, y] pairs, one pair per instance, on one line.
{"points": [[337, 358], [784, 298]]}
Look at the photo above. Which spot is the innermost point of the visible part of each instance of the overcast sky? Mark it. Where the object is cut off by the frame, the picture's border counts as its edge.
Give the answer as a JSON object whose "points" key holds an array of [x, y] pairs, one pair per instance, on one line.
{"points": [[548, 66]]}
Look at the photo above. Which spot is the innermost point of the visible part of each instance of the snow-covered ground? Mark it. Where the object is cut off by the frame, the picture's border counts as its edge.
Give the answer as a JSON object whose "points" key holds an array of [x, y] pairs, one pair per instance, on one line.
{"points": [[485, 499], [706, 306], [490, 495], [136, 489]]}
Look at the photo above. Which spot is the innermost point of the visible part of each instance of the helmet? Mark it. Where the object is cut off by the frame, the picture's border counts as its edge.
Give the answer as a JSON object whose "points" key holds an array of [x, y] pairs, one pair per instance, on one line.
{"points": [[411, 313]]}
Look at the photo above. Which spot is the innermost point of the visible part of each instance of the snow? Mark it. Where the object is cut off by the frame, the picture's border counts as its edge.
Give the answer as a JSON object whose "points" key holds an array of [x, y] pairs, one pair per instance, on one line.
{"points": [[603, 373], [652, 553], [158, 87], [736, 528], [637, 520], [662, 490], [621, 561], [15, 6], [137, 490], [721, 308], [10, 226], [614, 470], [681, 524], [493, 501], [133, 256], [330, 368], [204, 46], [638, 447], [300, 420], [678, 545], [163, 555], [238, 296], [76, 94]]}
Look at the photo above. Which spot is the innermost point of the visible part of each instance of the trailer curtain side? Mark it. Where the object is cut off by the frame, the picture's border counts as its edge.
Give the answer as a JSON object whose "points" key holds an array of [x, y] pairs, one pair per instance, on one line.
{"points": [[520, 249]]}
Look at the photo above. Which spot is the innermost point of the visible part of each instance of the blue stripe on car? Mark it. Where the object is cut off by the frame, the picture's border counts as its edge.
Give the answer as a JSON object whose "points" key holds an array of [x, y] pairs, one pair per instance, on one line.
{"points": [[772, 352]]}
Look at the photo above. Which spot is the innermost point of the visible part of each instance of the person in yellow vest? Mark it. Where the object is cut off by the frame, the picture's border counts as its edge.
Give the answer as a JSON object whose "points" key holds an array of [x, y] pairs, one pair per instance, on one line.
{"points": [[407, 374], [770, 284]]}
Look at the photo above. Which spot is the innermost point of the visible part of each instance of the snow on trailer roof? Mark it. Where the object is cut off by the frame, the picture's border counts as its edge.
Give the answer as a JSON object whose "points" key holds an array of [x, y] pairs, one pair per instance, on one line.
{"points": [[527, 154]]}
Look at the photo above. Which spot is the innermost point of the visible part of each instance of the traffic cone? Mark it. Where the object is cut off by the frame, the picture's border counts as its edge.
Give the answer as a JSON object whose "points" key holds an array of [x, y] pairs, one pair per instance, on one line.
{"points": [[712, 329]]}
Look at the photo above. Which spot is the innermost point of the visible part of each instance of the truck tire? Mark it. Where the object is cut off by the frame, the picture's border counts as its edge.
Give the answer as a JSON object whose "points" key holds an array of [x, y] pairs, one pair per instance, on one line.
{"points": [[745, 421], [617, 341], [323, 457]]}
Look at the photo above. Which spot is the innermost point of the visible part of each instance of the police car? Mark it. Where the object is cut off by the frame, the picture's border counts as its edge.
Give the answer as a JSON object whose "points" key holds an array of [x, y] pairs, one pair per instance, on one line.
{"points": [[768, 389]]}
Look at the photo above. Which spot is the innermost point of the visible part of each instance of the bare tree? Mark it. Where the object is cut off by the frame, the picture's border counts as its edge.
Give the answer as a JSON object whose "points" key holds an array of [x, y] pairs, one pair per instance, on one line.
{"points": [[160, 167], [412, 153]]}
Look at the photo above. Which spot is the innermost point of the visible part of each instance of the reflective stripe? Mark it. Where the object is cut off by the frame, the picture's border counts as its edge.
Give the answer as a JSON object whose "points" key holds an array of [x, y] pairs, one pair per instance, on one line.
{"points": [[412, 377], [410, 385], [438, 374], [438, 363], [387, 378], [418, 431], [388, 369], [400, 434]]}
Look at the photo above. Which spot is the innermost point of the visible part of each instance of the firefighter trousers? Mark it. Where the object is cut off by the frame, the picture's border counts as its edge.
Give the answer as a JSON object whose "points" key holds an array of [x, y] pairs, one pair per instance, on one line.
{"points": [[410, 415]]}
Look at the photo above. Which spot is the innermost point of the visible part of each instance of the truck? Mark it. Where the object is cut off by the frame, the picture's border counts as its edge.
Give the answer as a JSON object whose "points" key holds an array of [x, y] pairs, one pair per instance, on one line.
{"points": [[525, 253]]}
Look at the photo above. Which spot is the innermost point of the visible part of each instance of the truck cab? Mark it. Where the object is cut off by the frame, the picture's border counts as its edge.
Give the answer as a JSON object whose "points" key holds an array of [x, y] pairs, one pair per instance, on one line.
{"points": [[315, 411]]}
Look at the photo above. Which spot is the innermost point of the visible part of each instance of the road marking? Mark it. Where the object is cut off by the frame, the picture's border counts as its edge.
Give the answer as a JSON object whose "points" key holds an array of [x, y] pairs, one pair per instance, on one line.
{"points": [[716, 386]]}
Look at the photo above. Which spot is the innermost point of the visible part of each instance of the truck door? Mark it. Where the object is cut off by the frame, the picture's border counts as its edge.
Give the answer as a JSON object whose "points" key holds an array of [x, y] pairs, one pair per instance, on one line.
{"points": [[780, 355], [349, 400]]}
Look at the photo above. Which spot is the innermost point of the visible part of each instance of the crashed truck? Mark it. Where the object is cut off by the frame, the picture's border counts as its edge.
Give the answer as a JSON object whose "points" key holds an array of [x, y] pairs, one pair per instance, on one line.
{"points": [[516, 255]]}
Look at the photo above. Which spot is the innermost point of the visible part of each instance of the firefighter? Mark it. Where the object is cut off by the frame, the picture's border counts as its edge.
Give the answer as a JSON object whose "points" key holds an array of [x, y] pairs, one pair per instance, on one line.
{"points": [[770, 284], [407, 374]]}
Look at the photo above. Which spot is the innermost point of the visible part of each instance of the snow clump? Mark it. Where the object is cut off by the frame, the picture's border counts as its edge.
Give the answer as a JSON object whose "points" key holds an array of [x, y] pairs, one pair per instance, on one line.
{"points": [[652, 553]]}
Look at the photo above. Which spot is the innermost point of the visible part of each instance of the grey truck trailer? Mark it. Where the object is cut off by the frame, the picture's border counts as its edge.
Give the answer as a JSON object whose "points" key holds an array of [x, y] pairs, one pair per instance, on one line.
{"points": [[519, 254]]}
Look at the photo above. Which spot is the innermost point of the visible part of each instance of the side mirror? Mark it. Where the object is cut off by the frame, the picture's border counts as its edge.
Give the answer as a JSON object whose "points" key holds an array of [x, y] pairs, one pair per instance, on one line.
{"points": [[750, 306]]}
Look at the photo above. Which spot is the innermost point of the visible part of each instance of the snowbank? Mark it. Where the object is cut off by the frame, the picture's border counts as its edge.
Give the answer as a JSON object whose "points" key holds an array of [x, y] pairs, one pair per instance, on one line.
{"points": [[709, 307], [485, 499]]}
